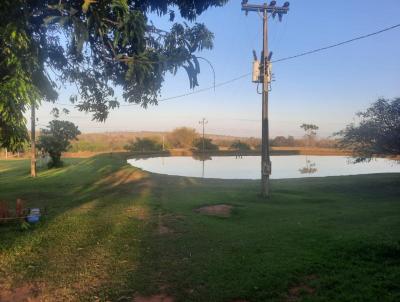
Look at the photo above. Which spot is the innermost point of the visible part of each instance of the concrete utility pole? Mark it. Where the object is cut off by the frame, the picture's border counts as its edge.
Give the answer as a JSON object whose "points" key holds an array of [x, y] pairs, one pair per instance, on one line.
{"points": [[203, 122], [263, 75], [33, 141]]}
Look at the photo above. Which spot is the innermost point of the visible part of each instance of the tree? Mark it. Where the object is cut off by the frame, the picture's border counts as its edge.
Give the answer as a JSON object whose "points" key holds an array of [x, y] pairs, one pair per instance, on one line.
{"points": [[281, 141], [240, 146], [208, 144], [56, 139], [143, 145], [311, 132], [182, 137], [377, 133], [94, 46]]}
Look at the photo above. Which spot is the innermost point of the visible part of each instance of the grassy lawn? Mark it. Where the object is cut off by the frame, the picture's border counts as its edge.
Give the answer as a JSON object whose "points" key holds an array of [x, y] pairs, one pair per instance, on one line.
{"points": [[114, 232]]}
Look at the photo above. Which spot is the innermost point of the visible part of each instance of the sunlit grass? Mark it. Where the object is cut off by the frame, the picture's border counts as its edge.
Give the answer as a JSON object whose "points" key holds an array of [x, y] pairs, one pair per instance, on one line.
{"points": [[101, 237]]}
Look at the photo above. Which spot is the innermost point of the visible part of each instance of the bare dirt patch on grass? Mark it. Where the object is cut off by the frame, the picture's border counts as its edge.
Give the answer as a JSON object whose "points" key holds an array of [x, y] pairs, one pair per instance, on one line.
{"points": [[26, 293], [155, 298], [220, 210], [138, 212], [163, 230], [302, 289]]}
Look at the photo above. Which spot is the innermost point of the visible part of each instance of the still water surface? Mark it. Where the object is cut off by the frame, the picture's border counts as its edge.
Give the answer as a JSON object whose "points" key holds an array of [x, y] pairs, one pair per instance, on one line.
{"points": [[248, 167]]}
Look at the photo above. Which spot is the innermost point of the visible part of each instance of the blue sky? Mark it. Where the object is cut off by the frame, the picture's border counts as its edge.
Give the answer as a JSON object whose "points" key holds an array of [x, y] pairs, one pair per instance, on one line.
{"points": [[325, 88]]}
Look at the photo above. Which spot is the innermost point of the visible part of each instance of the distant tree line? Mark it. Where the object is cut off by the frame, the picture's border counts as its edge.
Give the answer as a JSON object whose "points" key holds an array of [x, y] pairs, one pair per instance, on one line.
{"points": [[180, 138], [376, 133], [290, 141]]}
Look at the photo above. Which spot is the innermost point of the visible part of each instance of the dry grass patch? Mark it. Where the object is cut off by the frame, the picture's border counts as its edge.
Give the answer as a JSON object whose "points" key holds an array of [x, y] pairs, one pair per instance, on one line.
{"points": [[26, 293]]}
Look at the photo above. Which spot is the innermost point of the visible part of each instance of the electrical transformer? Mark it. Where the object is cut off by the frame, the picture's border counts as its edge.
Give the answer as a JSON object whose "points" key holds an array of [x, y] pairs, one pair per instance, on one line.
{"points": [[269, 73], [256, 72]]}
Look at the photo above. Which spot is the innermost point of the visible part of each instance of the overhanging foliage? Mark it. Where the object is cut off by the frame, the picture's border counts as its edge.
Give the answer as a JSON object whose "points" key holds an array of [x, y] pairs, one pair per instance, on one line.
{"points": [[96, 46]]}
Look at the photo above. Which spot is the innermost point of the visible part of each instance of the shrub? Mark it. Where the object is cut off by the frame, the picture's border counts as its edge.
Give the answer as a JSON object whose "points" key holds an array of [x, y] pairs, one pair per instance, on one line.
{"points": [[208, 144], [144, 145], [240, 146], [56, 139], [281, 141], [182, 137]]}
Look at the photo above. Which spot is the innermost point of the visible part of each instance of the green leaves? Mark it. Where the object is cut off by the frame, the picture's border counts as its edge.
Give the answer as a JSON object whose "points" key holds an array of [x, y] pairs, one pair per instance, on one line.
{"points": [[17, 90], [56, 139], [96, 46], [377, 133]]}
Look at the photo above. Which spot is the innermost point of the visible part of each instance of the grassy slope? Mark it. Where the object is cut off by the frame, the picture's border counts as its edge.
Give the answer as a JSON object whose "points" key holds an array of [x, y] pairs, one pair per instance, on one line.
{"points": [[322, 239]]}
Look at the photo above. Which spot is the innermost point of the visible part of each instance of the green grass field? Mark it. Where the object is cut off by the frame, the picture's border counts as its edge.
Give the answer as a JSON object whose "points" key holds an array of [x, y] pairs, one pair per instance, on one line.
{"points": [[113, 232]]}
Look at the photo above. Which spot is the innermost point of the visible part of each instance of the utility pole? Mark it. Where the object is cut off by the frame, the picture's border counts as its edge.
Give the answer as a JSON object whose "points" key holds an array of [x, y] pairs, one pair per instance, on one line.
{"points": [[33, 140], [203, 122], [262, 74]]}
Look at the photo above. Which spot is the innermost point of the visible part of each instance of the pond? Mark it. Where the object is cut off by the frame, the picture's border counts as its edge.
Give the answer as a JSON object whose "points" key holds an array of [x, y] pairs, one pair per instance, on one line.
{"points": [[248, 167]]}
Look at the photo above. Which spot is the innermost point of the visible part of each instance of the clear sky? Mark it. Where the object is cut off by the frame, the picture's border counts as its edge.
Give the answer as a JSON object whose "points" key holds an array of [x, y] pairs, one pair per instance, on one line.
{"points": [[325, 88]]}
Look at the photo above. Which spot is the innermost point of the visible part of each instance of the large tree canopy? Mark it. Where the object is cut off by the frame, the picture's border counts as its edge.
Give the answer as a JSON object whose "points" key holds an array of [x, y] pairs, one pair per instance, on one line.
{"points": [[377, 133], [96, 46]]}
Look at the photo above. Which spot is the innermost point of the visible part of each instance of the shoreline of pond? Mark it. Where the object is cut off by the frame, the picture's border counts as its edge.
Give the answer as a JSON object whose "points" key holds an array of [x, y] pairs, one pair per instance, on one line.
{"points": [[275, 151], [247, 167]]}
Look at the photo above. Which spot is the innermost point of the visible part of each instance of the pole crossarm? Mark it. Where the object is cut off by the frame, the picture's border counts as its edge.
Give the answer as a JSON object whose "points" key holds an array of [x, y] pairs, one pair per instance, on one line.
{"points": [[269, 8]]}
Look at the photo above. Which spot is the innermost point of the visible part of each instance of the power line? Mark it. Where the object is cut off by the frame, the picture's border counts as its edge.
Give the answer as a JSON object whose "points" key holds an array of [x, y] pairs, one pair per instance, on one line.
{"points": [[337, 44], [197, 91], [275, 61], [184, 94], [279, 60]]}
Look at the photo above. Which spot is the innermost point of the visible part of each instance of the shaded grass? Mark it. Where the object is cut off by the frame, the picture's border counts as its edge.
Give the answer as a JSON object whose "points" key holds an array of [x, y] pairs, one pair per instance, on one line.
{"points": [[88, 243], [339, 236]]}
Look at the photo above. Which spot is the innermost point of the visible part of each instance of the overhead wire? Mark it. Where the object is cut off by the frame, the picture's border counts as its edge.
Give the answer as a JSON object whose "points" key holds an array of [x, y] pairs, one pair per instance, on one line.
{"points": [[302, 54], [282, 60], [337, 44]]}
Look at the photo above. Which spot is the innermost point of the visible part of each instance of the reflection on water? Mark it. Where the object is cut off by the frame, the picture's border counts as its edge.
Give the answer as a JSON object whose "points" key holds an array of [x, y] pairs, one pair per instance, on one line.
{"points": [[309, 168], [249, 167], [202, 158]]}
